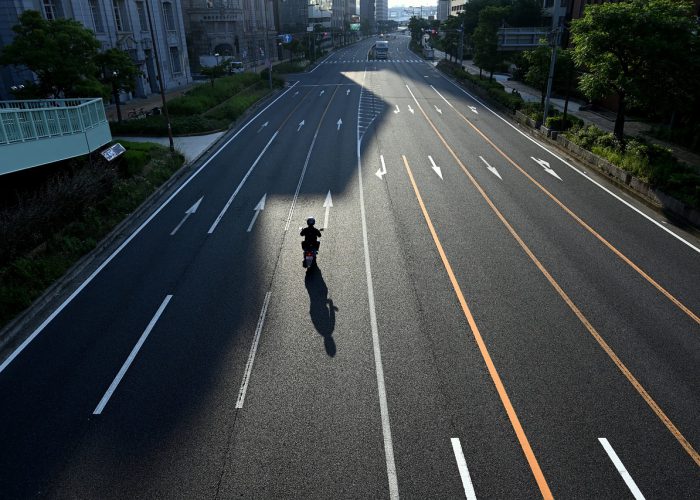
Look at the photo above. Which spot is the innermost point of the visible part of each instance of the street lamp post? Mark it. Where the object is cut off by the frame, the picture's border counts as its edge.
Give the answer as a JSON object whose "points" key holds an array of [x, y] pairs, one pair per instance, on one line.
{"points": [[267, 48]]}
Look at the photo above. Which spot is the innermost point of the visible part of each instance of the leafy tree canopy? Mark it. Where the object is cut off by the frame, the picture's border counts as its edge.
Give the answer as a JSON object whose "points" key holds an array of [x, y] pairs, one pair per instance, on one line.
{"points": [[485, 38], [633, 49], [61, 53]]}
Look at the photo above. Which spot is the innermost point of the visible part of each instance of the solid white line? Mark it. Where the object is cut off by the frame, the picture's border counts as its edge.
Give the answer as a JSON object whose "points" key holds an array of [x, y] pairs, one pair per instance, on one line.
{"points": [[381, 389], [463, 471], [97, 271], [130, 359], [621, 469], [240, 185], [253, 349], [583, 174]]}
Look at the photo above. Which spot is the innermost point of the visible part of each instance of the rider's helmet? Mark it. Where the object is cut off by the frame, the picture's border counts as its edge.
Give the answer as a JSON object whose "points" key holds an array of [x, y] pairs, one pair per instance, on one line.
{"points": [[311, 221]]}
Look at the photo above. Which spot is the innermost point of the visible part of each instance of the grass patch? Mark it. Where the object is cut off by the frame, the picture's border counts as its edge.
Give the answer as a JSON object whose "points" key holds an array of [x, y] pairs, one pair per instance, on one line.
{"points": [[194, 112], [65, 219]]}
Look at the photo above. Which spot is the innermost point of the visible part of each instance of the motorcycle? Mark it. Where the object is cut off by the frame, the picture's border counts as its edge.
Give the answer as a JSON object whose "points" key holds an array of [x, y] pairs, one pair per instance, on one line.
{"points": [[310, 253]]}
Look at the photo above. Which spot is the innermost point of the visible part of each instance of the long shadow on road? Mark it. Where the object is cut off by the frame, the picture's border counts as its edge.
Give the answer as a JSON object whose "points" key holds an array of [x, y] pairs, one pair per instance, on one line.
{"points": [[321, 308]]}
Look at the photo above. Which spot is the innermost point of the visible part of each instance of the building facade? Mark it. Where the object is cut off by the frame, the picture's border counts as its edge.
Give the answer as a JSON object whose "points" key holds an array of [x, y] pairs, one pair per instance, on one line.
{"points": [[381, 10], [244, 30], [121, 24], [443, 10], [367, 16]]}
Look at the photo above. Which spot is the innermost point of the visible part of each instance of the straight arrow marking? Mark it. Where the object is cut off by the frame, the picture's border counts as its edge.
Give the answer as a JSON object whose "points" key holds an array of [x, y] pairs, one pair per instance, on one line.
{"points": [[492, 169], [411, 109], [263, 126], [435, 167], [381, 171], [340, 122], [545, 165], [189, 212], [258, 208], [437, 109], [301, 124], [327, 205]]}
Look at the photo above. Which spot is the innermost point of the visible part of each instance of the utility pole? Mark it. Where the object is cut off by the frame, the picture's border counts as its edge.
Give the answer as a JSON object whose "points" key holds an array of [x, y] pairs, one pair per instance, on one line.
{"points": [[554, 43], [160, 77], [267, 48]]}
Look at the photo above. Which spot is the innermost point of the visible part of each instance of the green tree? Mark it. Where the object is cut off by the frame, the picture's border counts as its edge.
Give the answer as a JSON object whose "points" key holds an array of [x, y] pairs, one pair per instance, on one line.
{"points": [[485, 38], [537, 75], [416, 26], [61, 53], [118, 71], [526, 13], [632, 50]]}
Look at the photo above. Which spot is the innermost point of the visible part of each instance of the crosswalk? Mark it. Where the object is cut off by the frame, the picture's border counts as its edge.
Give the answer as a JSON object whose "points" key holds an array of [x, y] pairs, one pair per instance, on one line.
{"points": [[374, 61]]}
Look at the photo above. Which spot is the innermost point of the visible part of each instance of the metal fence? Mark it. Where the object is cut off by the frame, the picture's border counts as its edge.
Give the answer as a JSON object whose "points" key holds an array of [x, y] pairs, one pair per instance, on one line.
{"points": [[22, 121]]}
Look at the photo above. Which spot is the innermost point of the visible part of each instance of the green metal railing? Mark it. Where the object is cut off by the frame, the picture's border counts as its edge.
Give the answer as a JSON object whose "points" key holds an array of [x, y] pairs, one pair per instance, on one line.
{"points": [[22, 121]]}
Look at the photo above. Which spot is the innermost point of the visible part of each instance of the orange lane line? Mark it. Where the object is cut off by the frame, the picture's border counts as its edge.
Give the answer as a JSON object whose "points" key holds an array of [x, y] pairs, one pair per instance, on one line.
{"points": [[608, 350], [514, 421], [588, 228]]}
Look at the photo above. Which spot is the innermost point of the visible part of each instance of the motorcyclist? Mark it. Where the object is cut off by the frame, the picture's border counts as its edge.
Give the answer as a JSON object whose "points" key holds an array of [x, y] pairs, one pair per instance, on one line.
{"points": [[311, 236]]}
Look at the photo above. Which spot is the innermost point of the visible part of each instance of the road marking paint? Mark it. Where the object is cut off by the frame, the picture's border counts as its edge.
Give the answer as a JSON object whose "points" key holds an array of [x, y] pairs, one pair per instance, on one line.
{"points": [[258, 208], [495, 377], [583, 224], [621, 469], [306, 163], [188, 212], [240, 184], [463, 471], [132, 356], [490, 168], [133, 235], [253, 349], [381, 388], [594, 333], [618, 198]]}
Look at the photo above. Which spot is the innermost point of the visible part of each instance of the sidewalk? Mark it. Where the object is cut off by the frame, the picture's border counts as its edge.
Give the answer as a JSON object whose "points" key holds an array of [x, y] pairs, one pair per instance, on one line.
{"points": [[603, 119]]}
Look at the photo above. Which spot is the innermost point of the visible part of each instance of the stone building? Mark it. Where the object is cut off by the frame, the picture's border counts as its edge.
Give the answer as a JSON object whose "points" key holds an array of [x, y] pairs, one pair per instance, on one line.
{"points": [[121, 24]]}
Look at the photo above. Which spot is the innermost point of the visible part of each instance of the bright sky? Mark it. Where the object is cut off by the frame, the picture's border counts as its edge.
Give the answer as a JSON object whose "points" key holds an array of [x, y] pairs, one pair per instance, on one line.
{"points": [[413, 3]]}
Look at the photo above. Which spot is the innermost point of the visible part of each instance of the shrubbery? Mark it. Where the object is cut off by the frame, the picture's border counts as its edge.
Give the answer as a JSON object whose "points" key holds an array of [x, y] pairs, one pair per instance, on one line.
{"points": [[649, 162], [288, 67], [50, 230]]}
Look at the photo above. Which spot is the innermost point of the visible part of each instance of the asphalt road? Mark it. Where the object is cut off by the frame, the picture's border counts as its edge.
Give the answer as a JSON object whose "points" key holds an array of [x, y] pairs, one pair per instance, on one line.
{"points": [[486, 320]]}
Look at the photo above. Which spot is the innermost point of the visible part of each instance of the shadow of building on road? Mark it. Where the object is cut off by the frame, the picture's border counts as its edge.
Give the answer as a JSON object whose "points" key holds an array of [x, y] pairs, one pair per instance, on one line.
{"points": [[321, 308]]}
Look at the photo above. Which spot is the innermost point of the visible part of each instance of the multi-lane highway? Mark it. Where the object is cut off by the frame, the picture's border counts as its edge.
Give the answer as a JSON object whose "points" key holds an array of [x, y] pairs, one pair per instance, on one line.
{"points": [[487, 319]]}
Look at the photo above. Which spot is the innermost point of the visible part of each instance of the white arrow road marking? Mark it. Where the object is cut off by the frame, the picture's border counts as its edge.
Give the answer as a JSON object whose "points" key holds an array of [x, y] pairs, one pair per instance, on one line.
{"points": [[322, 92], [263, 126], [397, 110], [545, 165], [327, 205], [411, 109], [240, 185], [381, 171], [435, 167], [621, 469], [120, 375], [473, 109], [296, 93], [437, 109], [347, 92], [258, 208], [189, 212], [340, 122], [492, 169], [301, 124]]}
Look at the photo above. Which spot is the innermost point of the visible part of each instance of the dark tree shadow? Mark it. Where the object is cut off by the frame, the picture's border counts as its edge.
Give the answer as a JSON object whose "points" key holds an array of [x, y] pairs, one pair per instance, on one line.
{"points": [[321, 308]]}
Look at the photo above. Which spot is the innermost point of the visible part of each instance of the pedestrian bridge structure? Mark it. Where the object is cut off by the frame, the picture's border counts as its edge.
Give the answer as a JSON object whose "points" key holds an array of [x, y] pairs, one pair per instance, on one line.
{"points": [[34, 133], [520, 38]]}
